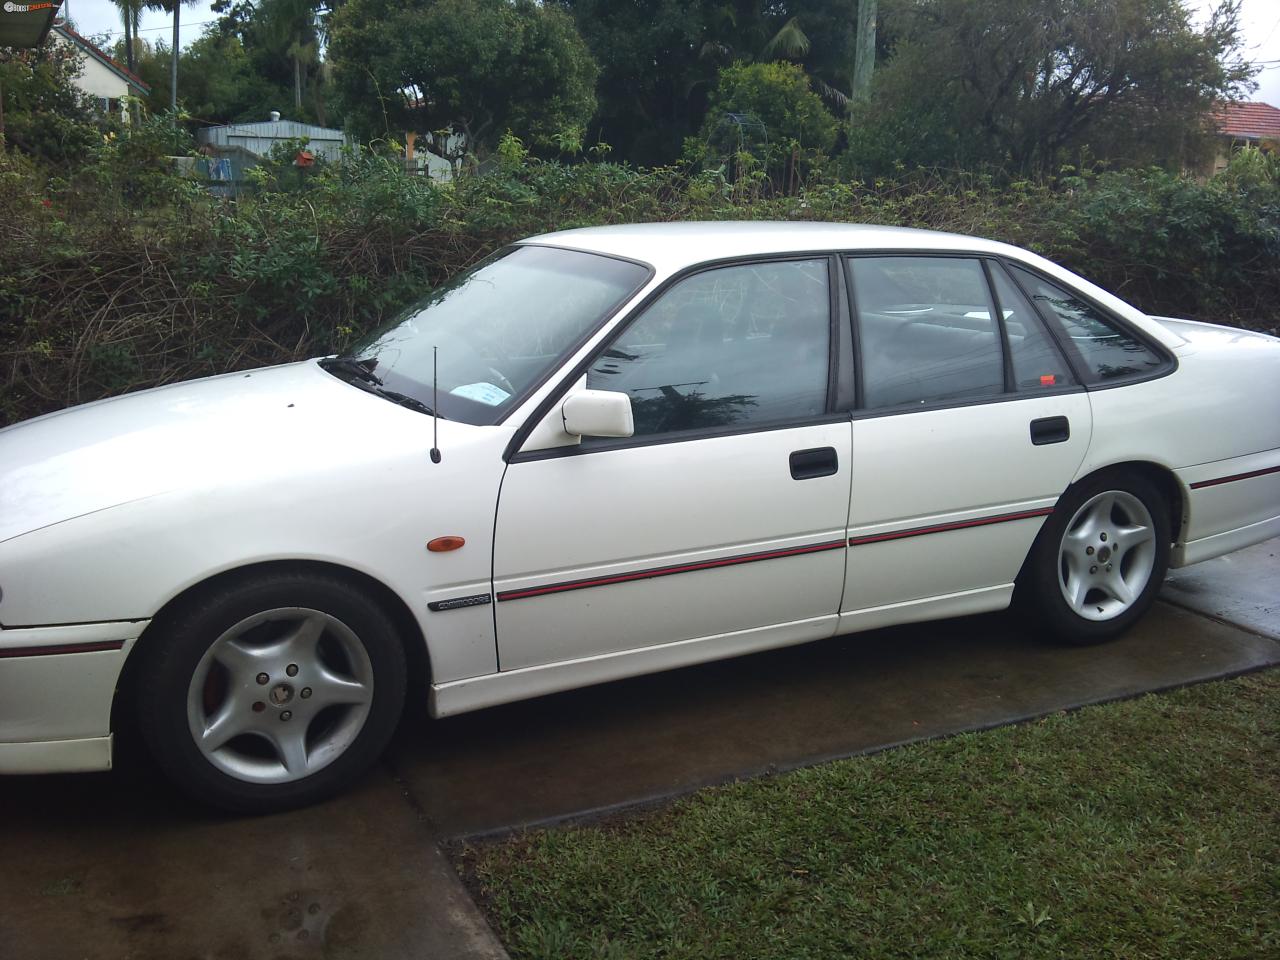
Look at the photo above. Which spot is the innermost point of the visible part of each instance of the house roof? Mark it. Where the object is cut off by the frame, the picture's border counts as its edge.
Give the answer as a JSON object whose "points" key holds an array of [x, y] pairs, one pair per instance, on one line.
{"points": [[1248, 121], [132, 79], [25, 24]]}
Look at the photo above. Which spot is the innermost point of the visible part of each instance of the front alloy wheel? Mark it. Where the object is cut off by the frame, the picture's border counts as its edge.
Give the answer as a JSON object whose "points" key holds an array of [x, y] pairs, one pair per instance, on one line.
{"points": [[280, 695], [265, 693]]}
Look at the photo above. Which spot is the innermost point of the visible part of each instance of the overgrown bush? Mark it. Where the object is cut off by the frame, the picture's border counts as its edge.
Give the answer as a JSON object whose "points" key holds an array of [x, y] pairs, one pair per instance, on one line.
{"points": [[102, 292]]}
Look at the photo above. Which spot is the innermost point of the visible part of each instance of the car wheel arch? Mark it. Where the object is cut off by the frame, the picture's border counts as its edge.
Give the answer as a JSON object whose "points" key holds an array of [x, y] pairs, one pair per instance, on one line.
{"points": [[1165, 481], [417, 656], [1162, 477]]}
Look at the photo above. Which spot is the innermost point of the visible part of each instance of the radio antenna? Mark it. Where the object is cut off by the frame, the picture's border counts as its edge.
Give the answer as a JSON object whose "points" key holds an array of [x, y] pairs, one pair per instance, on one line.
{"points": [[435, 406]]}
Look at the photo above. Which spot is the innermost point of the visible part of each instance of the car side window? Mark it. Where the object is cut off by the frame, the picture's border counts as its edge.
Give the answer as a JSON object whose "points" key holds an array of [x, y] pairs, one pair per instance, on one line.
{"points": [[1107, 351], [744, 344], [1038, 364], [925, 330]]}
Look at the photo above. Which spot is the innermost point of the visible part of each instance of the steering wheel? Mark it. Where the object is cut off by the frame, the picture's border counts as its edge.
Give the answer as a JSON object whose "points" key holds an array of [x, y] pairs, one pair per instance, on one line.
{"points": [[504, 358]]}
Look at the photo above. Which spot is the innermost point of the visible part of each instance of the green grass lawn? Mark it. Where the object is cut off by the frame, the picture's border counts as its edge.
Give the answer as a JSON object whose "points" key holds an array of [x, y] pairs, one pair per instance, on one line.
{"points": [[1149, 828]]}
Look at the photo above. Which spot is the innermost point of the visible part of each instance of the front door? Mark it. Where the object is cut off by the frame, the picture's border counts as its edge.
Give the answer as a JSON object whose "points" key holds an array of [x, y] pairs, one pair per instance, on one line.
{"points": [[722, 520]]}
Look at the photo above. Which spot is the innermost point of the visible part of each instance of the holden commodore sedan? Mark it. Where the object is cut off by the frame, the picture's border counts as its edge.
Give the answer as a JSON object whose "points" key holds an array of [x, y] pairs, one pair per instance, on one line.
{"points": [[601, 453]]}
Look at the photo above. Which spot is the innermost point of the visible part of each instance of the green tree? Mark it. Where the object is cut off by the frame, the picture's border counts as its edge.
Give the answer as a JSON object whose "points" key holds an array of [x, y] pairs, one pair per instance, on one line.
{"points": [[218, 80], [173, 8], [798, 128], [130, 16], [44, 114], [476, 67], [1026, 83], [660, 60], [294, 25]]}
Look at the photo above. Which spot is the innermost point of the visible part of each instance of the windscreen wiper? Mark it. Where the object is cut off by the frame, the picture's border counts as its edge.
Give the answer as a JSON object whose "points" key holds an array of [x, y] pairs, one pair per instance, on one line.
{"points": [[359, 369], [402, 398]]}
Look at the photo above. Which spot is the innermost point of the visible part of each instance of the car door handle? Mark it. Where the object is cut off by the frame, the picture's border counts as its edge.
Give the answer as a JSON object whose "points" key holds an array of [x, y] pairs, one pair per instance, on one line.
{"points": [[818, 462], [1050, 430]]}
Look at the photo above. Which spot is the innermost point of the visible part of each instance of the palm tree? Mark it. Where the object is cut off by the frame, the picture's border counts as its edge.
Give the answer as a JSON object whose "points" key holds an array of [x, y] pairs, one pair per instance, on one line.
{"points": [[171, 6], [295, 25], [130, 16]]}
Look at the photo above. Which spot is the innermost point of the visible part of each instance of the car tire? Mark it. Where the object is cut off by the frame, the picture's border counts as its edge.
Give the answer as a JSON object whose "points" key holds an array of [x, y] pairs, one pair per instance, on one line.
{"points": [[270, 693], [1099, 560]]}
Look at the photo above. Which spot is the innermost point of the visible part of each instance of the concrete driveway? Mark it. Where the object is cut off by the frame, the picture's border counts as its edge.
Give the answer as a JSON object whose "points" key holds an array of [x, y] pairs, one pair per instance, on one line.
{"points": [[118, 866]]}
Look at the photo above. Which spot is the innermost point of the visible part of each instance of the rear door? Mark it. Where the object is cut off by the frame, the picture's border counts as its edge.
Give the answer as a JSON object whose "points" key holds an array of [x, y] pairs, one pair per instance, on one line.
{"points": [[971, 424]]}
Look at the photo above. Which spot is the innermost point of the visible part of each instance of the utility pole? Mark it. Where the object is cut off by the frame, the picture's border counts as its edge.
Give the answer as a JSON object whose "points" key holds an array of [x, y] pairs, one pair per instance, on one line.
{"points": [[864, 59], [173, 64]]}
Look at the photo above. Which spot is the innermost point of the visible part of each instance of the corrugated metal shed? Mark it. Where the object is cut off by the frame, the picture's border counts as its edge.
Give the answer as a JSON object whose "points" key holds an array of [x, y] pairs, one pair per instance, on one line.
{"points": [[259, 138]]}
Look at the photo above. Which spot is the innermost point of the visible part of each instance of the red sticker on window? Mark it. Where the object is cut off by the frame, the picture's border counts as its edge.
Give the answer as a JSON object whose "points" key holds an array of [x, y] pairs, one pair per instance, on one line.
{"points": [[1047, 380]]}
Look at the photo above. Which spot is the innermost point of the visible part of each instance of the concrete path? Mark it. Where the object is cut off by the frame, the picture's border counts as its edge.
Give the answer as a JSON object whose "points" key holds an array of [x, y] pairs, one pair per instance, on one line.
{"points": [[117, 866], [578, 752]]}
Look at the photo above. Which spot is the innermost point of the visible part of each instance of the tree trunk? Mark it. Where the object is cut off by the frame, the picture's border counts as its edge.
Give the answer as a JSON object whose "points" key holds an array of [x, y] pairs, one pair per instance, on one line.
{"points": [[297, 83], [128, 39], [864, 58], [173, 64]]}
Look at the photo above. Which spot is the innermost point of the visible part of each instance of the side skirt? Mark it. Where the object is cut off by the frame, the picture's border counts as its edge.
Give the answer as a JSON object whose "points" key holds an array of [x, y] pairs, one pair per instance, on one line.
{"points": [[461, 696]]}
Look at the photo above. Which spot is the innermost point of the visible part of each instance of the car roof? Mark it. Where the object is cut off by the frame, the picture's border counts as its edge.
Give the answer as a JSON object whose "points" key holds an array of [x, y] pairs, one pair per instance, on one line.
{"points": [[672, 246]]}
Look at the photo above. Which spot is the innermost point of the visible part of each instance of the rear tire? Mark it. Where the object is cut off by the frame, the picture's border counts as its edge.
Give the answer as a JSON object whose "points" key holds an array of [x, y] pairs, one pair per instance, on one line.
{"points": [[1100, 558], [270, 694]]}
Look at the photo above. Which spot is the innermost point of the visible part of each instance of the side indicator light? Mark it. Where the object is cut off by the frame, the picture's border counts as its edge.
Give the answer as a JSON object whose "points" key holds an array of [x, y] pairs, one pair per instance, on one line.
{"points": [[445, 544]]}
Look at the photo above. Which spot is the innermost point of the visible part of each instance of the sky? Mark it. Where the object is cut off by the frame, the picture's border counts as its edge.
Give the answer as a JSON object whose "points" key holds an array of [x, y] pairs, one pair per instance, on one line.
{"points": [[1260, 27]]}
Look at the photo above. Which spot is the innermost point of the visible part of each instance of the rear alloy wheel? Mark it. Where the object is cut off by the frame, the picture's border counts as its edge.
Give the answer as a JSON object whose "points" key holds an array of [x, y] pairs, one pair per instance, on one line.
{"points": [[1101, 557], [272, 694]]}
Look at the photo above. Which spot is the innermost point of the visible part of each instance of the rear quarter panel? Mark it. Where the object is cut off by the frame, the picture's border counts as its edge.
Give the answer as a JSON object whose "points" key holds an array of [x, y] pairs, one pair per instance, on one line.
{"points": [[1217, 416]]}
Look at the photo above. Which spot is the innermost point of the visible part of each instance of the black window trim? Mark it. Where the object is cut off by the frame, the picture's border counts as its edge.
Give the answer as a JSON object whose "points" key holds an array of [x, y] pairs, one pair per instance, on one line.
{"points": [[997, 314], [1074, 358], [512, 455], [862, 412]]}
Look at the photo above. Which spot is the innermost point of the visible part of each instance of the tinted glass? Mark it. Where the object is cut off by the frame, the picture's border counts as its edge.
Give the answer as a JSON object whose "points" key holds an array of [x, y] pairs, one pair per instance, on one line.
{"points": [[1037, 362], [925, 330], [498, 327], [735, 345], [1106, 350]]}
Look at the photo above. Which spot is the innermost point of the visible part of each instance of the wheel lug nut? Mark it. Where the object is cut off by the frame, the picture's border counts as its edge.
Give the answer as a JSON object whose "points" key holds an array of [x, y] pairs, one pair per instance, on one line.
{"points": [[291, 669], [1089, 551], [1104, 538], [263, 679], [1093, 569], [1108, 568], [259, 706], [286, 714], [306, 692]]}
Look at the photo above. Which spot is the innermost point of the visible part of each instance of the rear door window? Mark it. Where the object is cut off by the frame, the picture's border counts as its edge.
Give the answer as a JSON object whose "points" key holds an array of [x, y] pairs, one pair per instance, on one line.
{"points": [[926, 331], [1038, 364]]}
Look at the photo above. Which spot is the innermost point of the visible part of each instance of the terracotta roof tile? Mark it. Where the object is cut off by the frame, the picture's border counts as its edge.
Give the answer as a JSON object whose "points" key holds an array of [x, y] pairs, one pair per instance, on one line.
{"points": [[1248, 121]]}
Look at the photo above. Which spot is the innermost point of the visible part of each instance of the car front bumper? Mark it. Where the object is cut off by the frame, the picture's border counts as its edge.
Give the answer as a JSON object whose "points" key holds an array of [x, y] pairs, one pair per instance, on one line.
{"points": [[56, 689]]}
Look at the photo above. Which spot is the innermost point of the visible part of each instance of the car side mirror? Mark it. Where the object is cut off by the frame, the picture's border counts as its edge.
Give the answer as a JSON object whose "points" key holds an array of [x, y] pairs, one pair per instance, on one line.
{"points": [[597, 413]]}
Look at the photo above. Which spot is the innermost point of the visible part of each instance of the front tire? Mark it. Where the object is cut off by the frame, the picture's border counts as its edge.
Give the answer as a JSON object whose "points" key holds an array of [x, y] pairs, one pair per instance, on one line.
{"points": [[1099, 561], [273, 693]]}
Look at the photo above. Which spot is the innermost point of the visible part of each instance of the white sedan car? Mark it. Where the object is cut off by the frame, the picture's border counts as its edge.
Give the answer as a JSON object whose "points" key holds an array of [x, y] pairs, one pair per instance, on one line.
{"points": [[601, 453]]}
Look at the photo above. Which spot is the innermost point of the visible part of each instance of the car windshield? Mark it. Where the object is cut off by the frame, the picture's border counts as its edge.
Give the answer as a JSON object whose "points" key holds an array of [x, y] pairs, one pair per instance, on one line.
{"points": [[497, 330]]}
